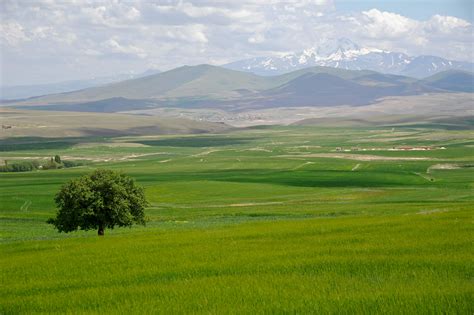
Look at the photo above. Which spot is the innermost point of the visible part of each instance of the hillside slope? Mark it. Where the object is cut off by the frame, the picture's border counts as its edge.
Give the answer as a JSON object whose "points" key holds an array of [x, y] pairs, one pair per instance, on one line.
{"points": [[31, 123], [458, 81], [197, 82], [202, 81], [206, 86]]}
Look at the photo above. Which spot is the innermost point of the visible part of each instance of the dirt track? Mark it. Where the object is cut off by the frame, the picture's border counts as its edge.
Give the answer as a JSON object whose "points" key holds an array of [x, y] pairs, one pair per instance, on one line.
{"points": [[358, 157]]}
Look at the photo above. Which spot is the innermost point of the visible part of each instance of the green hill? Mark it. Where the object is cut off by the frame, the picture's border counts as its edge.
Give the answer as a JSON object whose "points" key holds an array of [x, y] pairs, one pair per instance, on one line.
{"points": [[453, 80], [196, 82], [206, 86], [199, 81]]}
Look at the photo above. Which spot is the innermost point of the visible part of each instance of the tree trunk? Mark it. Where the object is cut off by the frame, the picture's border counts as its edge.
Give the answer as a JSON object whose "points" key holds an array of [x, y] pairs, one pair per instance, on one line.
{"points": [[101, 230]]}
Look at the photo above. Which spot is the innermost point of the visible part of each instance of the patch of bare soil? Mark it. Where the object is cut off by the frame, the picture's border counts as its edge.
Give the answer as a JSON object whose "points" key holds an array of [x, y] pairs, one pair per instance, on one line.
{"points": [[425, 212], [256, 149], [129, 157], [250, 204], [9, 158], [428, 178], [302, 165], [359, 157], [391, 139], [207, 152], [307, 147], [446, 166], [112, 145]]}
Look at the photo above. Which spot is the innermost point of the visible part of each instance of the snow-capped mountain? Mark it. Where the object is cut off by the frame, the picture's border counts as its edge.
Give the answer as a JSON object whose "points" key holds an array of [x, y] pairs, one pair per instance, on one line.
{"points": [[344, 54]]}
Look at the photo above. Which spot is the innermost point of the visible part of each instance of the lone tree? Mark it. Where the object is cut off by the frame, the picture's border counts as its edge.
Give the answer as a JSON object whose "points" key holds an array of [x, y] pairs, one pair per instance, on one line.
{"points": [[100, 200]]}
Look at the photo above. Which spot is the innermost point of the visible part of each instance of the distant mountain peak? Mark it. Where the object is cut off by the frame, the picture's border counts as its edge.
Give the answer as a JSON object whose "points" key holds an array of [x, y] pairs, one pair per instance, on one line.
{"points": [[345, 54], [334, 46], [332, 49]]}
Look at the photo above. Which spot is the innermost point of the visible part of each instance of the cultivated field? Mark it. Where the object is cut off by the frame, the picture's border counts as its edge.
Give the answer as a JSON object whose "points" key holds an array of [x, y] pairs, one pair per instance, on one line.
{"points": [[297, 219]]}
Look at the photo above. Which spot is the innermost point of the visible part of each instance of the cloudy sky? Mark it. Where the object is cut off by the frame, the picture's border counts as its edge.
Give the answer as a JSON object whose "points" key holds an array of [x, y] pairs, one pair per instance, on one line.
{"points": [[44, 41]]}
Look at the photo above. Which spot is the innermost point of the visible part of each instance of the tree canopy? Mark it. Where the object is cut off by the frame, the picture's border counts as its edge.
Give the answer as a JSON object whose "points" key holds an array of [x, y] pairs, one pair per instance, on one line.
{"points": [[100, 200]]}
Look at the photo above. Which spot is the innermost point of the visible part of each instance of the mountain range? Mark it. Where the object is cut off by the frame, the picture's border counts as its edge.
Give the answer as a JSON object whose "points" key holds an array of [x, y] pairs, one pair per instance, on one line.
{"points": [[340, 54], [26, 91], [207, 86], [344, 54]]}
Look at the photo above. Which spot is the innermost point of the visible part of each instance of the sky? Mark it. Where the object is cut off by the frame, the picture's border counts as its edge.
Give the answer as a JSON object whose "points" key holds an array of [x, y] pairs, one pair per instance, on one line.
{"points": [[43, 41]]}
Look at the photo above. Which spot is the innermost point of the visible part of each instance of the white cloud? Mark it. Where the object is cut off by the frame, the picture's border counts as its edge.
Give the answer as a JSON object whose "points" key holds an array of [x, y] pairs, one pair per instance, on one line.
{"points": [[13, 33], [190, 33], [112, 46], [78, 37], [256, 39], [446, 24], [91, 52], [391, 31], [378, 24]]}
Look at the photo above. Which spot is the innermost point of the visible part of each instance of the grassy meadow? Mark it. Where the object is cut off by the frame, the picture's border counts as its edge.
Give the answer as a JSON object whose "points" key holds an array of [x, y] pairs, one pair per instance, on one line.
{"points": [[295, 219]]}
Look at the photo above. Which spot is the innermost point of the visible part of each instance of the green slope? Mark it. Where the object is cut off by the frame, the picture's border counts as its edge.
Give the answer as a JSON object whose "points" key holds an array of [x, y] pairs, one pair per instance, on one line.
{"points": [[236, 226], [453, 80], [219, 82], [197, 81], [202, 81], [205, 86], [341, 73]]}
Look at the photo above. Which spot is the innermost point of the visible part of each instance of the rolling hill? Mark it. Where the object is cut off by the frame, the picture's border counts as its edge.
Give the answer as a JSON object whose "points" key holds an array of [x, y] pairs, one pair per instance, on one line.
{"points": [[331, 90], [458, 81], [418, 121], [207, 86], [323, 89], [199, 81], [54, 124]]}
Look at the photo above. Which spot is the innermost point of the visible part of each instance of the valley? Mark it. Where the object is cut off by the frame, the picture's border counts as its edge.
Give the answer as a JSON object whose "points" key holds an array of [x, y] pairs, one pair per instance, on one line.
{"points": [[207, 94], [261, 213], [236, 157], [310, 191]]}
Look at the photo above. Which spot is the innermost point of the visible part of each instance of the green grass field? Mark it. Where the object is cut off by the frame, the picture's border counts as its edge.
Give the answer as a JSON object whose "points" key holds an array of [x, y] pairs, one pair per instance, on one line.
{"points": [[259, 220]]}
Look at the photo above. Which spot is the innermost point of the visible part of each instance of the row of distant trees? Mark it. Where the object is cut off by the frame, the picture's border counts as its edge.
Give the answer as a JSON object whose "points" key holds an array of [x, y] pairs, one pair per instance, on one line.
{"points": [[26, 166]]}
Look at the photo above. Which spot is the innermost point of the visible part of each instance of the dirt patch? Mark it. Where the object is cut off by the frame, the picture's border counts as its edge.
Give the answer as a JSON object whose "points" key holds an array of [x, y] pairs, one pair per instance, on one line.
{"points": [[428, 178], [112, 145], [383, 139], [256, 149], [425, 212], [306, 147], [207, 152], [302, 165], [251, 204], [13, 158], [358, 157], [443, 167], [129, 157]]}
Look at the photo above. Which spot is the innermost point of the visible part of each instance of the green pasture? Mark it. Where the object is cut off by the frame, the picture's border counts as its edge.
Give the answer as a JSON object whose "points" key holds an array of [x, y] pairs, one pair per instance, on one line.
{"points": [[251, 221]]}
